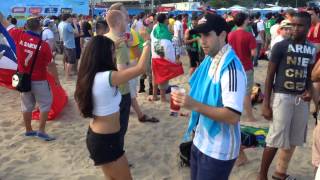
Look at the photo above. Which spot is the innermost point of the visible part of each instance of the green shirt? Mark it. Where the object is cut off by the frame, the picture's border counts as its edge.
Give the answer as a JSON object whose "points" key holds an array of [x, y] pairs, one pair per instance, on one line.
{"points": [[122, 56], [269, 24]]}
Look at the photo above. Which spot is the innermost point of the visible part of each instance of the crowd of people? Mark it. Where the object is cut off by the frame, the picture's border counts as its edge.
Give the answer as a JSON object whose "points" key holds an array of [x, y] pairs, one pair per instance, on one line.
{"points": [[111, 54]]}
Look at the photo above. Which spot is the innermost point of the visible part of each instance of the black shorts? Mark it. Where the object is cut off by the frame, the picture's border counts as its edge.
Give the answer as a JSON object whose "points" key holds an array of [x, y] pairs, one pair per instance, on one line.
{"points": [[70, 55], [104, 148], [194, 58]]}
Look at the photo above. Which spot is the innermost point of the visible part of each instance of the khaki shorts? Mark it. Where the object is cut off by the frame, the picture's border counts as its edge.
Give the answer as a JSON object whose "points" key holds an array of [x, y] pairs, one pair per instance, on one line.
{"points": [[316, 146], [289, 125], [250, 80], [40, 93]]}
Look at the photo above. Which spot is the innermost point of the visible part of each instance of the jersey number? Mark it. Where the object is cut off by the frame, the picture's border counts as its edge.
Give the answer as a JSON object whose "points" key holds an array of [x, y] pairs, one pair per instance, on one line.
{"points": [[29, 56]]}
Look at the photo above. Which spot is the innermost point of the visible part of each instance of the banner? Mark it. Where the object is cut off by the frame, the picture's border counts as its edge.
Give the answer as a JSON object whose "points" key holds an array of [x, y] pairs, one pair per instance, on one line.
{"points": [[22, 9]]}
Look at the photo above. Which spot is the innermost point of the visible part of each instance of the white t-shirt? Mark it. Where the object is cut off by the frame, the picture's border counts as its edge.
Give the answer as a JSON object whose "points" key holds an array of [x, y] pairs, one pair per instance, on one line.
{"points": [[138, 26], [47, 34], [318, 174], [106, 98], [260, 27], [276, 40], [274, 31], [177, 28]]}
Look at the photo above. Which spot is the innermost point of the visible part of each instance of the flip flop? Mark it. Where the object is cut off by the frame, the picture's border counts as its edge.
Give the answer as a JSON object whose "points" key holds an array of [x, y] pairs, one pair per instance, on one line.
{"points": [[145, 118], [45, 136], [30, 133], [287, 177]]}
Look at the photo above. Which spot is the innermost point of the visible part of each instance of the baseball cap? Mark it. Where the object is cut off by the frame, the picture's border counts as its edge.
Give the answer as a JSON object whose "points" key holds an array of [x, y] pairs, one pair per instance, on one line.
{"points": [[47, 21], [285, 24], [210, 22]]}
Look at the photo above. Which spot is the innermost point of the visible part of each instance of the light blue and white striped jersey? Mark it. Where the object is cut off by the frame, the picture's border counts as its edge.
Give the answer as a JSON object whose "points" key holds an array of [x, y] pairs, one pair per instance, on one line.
{"points": [[219, 82]]}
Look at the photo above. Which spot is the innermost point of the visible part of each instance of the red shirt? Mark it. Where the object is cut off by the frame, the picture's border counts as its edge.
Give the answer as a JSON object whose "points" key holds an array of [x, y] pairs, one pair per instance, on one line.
{"points": [[314, 36], [26, 44], [243, 42]]}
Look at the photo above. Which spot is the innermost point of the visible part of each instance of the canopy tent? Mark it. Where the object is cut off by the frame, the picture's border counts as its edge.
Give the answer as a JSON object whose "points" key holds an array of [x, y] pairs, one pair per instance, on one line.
{"points": [[237, 8]]}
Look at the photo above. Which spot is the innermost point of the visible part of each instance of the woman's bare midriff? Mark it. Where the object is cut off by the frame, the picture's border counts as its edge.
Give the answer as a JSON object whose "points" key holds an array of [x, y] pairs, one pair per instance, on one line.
{"points": [[106, 124]]}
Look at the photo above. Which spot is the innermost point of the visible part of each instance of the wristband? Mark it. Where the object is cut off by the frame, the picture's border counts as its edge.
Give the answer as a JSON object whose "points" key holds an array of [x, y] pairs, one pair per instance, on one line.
{"points": [[146, 43]]}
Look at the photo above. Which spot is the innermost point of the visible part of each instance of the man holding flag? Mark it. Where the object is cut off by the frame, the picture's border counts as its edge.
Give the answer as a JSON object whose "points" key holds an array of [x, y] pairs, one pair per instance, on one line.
{"points": [[164, 63], [26, 44]]}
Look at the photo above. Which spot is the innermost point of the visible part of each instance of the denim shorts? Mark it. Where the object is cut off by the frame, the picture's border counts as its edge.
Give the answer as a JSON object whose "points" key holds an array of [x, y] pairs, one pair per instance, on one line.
{"points": [[204, 167]]}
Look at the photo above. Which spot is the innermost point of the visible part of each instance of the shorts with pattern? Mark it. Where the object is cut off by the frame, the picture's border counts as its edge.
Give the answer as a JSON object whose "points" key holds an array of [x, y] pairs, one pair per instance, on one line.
{"points": [[70, 55]]}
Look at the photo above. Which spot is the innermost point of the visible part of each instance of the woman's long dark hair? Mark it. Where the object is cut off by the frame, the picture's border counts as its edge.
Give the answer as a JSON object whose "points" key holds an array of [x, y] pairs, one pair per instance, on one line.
{"points": [[97, 57]]}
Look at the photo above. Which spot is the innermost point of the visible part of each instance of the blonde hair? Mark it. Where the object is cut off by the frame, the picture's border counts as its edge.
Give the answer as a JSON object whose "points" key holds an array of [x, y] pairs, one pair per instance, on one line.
{"points": [[116, 6], [114, 17]]}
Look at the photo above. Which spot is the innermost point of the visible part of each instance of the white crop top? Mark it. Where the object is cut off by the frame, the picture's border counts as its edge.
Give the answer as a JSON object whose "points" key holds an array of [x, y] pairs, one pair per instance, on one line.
{"points": [[106, 98]]}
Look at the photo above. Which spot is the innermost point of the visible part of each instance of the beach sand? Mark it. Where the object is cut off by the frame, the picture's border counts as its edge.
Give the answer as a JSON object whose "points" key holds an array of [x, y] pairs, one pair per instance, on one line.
{"points": [[152, 149]]}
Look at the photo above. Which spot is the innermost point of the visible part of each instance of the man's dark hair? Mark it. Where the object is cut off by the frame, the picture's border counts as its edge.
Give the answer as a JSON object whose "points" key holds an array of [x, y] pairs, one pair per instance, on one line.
{"points": [[257, 15], [161, 18], [240, 18], [141, 15], [14, 21], [279, 19], [179, 17], [305, 16], [194, 18], [66, 16], [101, 24], [171, 16], [269, 15], [33, 24], [314, 9], [9, 18]]}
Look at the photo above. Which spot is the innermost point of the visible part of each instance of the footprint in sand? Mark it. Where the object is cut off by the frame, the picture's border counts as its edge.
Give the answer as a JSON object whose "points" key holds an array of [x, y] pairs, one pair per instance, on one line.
{"points": [[6, 123]]}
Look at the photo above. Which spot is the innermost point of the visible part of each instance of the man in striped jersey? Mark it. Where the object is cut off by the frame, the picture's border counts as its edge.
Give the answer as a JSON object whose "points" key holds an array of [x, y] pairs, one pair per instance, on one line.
{"points": [[216, 99]]}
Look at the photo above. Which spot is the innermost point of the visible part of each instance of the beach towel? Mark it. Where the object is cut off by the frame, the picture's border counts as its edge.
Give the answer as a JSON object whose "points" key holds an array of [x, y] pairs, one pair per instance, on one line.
{"points": [[253, 137], [8, 66]]}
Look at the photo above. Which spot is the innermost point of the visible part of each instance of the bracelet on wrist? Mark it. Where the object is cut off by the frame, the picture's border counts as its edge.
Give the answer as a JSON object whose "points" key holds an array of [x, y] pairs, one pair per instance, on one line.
{"points": [[146, 43]]}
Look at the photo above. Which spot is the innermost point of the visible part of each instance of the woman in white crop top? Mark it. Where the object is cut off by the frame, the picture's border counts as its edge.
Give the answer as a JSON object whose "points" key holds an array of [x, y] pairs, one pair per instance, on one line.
{"points": [[97, 97]]}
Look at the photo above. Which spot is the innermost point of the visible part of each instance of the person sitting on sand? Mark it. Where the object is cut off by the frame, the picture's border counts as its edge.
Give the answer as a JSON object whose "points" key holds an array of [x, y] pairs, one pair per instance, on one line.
{"points": [[97, 96]]}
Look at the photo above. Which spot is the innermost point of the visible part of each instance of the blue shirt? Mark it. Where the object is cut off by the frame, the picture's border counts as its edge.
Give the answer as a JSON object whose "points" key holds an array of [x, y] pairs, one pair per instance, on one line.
{"points": [[67, 35]]}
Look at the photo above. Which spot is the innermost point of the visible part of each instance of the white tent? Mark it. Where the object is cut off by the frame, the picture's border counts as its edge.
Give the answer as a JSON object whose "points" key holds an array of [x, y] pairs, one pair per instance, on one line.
{"points": [[237, 8], [223, 9]]}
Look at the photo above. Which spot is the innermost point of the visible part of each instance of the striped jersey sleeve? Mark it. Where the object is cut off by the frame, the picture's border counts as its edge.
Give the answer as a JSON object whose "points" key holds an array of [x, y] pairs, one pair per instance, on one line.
{"points": [[233, 88]]}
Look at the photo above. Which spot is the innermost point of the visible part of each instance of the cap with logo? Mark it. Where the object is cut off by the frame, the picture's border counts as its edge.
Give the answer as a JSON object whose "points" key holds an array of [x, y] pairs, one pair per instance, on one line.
{"points": [[285, 24], [210, 22], [47, 21]]}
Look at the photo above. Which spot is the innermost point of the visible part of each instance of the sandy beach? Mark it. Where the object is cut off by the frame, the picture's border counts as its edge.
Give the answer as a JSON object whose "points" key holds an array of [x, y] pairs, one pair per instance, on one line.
{"points": [[152, 149]]}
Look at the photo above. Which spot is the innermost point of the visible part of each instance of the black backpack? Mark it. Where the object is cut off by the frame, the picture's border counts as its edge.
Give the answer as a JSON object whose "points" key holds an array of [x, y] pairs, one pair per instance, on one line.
{"points": [[255, 29], [184, 154]]}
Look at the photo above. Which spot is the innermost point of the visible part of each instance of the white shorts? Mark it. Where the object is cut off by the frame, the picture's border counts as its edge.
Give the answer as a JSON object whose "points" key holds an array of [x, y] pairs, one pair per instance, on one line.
{"points": [[40, 93]]}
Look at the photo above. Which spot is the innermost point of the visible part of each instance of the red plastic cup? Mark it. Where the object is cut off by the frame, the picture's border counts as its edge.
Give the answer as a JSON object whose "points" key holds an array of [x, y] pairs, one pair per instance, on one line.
{"points": [[174, 107]]}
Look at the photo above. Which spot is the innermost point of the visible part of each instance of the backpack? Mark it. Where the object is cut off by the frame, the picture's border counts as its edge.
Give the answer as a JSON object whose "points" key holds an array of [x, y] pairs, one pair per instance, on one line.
{"points": [[255, 29], [185, 153]]}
